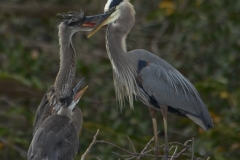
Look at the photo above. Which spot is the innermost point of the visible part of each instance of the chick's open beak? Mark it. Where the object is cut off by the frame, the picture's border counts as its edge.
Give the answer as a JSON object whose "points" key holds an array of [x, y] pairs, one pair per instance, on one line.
{"points": [[102, 22], [77, 92]]}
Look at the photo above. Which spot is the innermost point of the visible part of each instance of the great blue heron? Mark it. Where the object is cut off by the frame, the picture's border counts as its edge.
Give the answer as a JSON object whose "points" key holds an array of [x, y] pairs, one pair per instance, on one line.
{"points": [[144, 75], [71, 23], [57, 137]]}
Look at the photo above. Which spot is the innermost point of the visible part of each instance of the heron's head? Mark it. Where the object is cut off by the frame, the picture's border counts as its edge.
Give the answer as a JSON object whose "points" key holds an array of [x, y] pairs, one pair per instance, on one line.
{"points": [[77, 21], [67, 104], [113, 11]]}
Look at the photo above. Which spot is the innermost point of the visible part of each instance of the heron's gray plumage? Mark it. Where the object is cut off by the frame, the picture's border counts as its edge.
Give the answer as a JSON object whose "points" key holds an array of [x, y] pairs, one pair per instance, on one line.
{"points": [[157, 81], [57, 138], [45, 108], [66, 74], [169, 87], [70, 24]]}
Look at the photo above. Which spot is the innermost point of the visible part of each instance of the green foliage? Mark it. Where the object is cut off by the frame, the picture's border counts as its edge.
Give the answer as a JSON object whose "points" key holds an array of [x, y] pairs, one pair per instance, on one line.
{"points": [[200, 38]]}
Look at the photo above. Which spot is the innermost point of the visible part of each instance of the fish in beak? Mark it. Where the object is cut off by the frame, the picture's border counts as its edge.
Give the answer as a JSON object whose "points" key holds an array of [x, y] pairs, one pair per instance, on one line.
{"points": [[105, 19]]}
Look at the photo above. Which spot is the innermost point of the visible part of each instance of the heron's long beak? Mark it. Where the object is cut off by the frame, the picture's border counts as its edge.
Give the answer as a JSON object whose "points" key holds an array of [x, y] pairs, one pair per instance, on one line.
{"points": [[102, 22], [77, 92]]}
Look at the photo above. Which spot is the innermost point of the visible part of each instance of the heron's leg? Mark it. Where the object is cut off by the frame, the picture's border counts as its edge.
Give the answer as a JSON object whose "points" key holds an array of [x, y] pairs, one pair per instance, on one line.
{"points": [[154, 121], [164, 110]]}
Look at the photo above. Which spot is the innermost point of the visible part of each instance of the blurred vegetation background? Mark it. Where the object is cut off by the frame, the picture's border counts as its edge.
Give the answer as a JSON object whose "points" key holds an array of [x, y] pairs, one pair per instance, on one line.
{"points": [[200, 38]]}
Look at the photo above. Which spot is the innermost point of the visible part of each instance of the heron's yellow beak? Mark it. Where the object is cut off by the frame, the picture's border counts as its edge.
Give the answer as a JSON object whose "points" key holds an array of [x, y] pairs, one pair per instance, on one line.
{"points": [[104, 20], [79, 94]]}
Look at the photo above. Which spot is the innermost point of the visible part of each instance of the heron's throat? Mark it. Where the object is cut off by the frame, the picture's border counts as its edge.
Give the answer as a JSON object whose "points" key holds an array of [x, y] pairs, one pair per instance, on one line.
{"points": [[64, 111], [66, 75], [123, 71]]}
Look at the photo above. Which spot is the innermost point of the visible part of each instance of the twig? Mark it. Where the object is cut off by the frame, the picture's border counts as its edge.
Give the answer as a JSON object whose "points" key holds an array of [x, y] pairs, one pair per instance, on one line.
{"points": [[145, 148], [102, 141], [174, 152], [121, 155], [124, 150], [132, 144], [182, 151], [130, 155], [90, 146], [130, 158], [150, 150]]}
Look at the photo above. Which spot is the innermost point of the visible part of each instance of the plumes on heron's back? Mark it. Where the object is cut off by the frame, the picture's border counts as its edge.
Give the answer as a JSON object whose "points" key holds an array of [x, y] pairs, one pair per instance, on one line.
{"points": [[72, 17]]}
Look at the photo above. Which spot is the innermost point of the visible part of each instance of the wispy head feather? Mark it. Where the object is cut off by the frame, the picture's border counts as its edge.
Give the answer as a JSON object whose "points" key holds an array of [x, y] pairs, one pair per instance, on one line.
{"points": [[72, 17]]}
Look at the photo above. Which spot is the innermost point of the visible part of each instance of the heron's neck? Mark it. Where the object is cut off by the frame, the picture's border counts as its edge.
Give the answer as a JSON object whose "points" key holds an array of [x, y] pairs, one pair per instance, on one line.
{"points": [[116, 48], [66, 74], [64, 111], [123, 69], [116, 35]]}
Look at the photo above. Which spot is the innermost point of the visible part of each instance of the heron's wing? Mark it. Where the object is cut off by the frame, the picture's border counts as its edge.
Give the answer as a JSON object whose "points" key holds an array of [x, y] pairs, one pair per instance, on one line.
{"points": [[56, 139], [166, 86], [44, 110], [32, 148]]}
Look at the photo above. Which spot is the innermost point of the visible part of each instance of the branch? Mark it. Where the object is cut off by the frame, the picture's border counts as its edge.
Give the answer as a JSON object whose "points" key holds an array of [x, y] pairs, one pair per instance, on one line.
{"points": [[124, 150], [145, 148], [90, 146], [132, 144], [175, 151]]}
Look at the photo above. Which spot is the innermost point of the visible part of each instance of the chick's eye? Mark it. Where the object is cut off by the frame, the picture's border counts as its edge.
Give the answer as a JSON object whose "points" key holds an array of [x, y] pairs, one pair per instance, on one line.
{"points": [[62, 100]]}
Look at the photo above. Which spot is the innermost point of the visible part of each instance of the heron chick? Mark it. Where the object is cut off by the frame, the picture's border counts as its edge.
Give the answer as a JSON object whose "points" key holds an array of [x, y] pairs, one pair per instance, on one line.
{"points": [[57, 137], [70, 23]]}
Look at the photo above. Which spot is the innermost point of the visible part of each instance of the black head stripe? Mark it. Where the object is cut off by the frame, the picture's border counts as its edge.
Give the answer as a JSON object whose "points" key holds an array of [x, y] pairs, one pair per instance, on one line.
{"points": [[115, 3]]}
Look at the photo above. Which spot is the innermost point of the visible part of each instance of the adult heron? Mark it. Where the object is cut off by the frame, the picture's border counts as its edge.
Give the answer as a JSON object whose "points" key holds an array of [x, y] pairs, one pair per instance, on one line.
{"points": [[144, 75], [71, 23], [57, 137]]}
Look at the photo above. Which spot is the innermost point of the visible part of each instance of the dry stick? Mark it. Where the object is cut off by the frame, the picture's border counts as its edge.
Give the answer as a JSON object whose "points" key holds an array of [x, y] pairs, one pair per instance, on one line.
{"points": [[150, 150], [186, 147], [132, 155], [130, 158], [170, 144], [132, 144], [102, 141], [121, 155], [134, 149], [124, 150], [90, 146], [174, 152], [145, 148]]}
